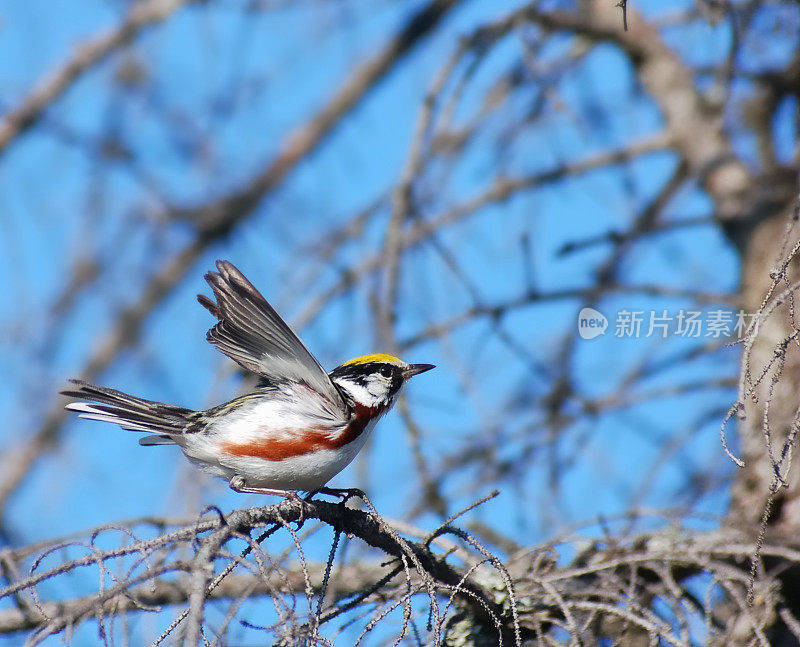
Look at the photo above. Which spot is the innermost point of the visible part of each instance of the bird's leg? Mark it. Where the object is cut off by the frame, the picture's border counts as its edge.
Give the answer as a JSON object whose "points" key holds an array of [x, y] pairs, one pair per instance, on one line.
{"points": [[345, 493], [237, 484]]}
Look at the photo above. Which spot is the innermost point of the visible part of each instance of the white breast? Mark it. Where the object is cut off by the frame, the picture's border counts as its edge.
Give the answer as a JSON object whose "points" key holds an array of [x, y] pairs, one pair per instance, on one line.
{"points": [[281, 417]]}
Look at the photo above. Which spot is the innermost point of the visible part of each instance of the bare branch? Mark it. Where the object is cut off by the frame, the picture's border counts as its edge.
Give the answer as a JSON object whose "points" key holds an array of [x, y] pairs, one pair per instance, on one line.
{"points": [[48, 90]]}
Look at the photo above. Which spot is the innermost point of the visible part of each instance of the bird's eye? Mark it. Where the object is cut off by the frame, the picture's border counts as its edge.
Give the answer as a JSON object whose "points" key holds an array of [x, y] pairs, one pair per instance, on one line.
{"points": [[386, 371]]}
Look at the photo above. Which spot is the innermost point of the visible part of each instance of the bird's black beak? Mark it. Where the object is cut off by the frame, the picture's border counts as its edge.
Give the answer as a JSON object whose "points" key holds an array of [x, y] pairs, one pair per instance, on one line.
{"points": [[416, 369]]}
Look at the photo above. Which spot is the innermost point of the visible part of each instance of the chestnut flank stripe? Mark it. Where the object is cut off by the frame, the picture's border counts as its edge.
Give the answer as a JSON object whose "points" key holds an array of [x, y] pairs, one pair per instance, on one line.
{"points": [[304, 442]]}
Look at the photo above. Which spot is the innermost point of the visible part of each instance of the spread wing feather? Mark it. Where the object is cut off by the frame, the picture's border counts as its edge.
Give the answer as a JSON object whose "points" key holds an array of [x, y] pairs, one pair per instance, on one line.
{"points": [[252, 334]]}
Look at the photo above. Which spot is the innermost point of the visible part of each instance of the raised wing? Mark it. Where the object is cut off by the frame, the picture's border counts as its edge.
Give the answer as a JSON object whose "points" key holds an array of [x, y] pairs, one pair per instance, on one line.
{"points": [[252, 334]]}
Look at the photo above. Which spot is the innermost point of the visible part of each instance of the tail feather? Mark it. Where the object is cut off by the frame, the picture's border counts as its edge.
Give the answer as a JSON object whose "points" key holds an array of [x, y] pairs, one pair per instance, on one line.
{"points": [[160, 439], [129, 412]]}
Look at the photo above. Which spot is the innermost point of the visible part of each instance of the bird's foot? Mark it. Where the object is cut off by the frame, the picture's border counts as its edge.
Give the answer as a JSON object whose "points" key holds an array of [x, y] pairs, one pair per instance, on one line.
{"points": [[344, 493]]}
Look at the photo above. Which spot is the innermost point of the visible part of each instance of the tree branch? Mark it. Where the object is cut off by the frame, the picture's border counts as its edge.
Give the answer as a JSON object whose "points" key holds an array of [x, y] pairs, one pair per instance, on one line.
{"points": [[49, 89]]}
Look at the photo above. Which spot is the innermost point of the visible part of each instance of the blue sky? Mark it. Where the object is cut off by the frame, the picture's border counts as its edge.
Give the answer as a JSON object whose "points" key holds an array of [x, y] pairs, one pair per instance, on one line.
{"points": [[172, 361], [223, 87]]}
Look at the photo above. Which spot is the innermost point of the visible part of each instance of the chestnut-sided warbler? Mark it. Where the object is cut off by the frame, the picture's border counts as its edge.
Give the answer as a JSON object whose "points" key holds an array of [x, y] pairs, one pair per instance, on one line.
{"points": [[298, 428]]}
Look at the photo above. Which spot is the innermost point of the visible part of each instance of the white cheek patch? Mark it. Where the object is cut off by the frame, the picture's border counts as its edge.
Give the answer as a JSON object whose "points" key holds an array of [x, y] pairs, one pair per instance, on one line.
{"points": [[379, 386], [359, 392], [371, 391], [369, 394]]}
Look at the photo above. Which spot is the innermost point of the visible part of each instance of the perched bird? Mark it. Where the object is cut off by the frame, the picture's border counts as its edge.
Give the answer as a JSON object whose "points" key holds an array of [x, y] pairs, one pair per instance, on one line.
{"points": [[298, 428]]}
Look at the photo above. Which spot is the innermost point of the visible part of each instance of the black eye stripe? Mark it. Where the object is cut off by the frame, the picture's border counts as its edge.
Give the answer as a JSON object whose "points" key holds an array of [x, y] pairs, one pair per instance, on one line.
{"points": [[361, 371]]}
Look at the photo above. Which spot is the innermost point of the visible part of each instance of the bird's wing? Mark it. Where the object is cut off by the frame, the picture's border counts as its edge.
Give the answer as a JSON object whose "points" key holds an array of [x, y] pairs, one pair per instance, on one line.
{"points": [[252, 334]]}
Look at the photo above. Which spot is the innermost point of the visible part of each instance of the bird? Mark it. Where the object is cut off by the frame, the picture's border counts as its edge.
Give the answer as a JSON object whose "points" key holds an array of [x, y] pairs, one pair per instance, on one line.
{"points": [[296, 430]]}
